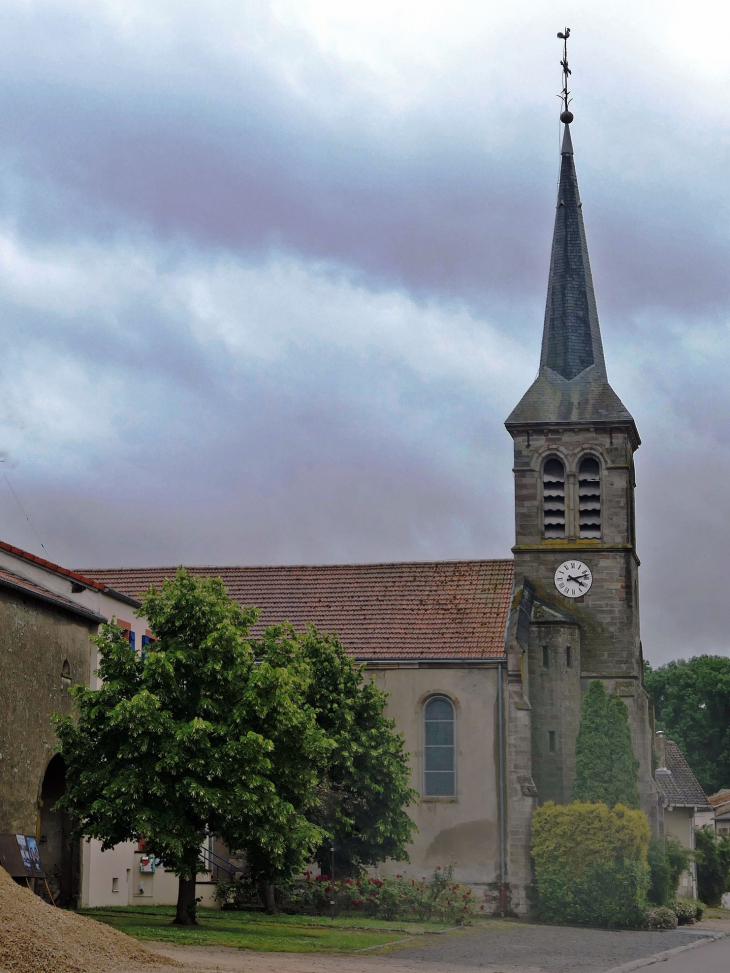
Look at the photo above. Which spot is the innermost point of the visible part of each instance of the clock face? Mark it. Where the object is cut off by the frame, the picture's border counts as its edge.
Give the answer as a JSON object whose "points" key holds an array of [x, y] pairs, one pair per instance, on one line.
{"points": [[573, 579]]}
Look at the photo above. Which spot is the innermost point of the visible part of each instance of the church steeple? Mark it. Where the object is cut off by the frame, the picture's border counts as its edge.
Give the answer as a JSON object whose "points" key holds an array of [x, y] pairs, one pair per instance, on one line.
{"points": [[572, 385], [571, 338]]}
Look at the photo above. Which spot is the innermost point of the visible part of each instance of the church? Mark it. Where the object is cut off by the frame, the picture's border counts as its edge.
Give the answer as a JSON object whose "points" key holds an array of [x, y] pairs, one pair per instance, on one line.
{"points": [[485, 662]]}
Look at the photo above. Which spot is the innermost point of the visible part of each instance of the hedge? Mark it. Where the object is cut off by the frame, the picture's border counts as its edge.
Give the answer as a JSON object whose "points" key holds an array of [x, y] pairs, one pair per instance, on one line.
{"points": [[590, 864]]}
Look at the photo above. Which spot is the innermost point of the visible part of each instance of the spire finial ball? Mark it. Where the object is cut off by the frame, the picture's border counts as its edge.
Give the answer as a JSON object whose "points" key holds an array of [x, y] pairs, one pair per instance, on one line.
{"points": [[566, 117]]}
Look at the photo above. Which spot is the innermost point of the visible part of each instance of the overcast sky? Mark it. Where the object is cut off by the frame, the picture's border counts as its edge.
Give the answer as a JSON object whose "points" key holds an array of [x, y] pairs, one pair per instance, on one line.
{"points": [[272, 276]]}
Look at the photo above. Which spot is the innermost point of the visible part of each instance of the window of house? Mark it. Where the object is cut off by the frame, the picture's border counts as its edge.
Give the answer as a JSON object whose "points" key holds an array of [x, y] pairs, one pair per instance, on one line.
{"points": [[568, 657], [589, 498], [553, 498], [545, 657], [65, 673], [439, 776], [551, 741]]}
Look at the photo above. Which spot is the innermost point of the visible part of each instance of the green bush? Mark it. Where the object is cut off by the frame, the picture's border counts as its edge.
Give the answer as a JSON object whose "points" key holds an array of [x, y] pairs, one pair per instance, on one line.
{"points": [[712, 855], [679, 859], [659, 891], [667, 859], [685, 911], [661, 917], [606, 769], [590, 864], [395, 897]]}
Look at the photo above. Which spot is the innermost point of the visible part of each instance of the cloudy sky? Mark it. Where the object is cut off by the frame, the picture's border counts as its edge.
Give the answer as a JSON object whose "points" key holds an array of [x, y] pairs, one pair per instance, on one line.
{"points": [[272, 276]]}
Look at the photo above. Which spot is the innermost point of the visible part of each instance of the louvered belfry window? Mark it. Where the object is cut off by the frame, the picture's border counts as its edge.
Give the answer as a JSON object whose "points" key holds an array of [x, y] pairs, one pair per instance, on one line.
{"points": [[589, 498], [553, 498]]}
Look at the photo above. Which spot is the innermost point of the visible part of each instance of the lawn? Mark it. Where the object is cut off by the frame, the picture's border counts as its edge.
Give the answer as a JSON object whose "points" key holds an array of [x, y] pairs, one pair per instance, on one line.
{"points": [[254, 930]]}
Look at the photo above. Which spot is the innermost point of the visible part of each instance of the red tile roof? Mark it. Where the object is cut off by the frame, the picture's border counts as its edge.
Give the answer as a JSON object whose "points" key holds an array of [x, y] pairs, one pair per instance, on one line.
{"points": [[27, 556], [415, 610], [15, 583]]}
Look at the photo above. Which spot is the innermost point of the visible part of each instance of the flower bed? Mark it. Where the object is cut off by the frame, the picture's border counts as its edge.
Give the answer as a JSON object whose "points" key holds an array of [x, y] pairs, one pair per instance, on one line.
{"points": [[438, 898]]}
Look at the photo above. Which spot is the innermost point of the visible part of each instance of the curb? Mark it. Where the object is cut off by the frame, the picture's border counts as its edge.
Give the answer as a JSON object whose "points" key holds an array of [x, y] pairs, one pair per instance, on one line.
{"points": [[666, 954]]}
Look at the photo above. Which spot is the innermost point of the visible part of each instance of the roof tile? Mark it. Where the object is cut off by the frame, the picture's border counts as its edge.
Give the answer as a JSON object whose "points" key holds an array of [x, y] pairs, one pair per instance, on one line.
{"points": [[410, 610]]}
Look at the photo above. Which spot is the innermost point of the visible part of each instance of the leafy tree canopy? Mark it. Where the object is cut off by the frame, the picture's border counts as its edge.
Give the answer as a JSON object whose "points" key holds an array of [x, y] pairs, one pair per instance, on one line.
{"points": [[175, 745], [366, 788], [606, 768], [692, 705], [712, 855]]}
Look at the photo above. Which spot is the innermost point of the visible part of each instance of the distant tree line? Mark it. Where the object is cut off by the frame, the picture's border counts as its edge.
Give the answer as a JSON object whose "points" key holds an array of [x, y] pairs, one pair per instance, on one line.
{"points": [[692, 705]]}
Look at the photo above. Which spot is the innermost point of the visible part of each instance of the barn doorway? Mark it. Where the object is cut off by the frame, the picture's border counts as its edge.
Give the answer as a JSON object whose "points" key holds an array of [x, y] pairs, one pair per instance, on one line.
{"points": [[59, 855]]}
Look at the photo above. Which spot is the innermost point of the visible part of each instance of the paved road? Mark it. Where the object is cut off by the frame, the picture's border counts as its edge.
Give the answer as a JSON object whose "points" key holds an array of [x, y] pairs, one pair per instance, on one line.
{"points": [[710, 958], [548, 949]]}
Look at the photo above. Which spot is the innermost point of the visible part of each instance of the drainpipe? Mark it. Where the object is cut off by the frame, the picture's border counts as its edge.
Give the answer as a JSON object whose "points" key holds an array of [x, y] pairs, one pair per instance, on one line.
{"points": [[502, 867]]}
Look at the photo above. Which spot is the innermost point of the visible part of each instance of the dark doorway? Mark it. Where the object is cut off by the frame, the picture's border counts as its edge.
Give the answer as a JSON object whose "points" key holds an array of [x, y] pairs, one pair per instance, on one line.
{"points": [[59, 856]]}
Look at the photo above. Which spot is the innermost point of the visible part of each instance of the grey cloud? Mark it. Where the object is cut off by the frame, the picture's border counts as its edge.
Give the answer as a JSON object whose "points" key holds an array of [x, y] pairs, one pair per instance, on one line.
{"points": [[322, 452]]}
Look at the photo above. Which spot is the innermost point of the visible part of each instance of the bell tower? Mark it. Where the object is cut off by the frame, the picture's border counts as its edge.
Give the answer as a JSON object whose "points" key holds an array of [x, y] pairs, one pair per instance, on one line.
{"points": [[574, 443]]}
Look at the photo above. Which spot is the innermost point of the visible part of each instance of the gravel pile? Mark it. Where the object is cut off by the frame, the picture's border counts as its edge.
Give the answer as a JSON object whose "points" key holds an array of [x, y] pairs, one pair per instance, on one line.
{"points": [[35, 937]]}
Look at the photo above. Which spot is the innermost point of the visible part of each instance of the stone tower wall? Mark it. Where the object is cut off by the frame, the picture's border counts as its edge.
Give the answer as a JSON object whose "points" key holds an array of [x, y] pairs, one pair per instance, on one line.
{"points": [[555, 697], [607, 616]]}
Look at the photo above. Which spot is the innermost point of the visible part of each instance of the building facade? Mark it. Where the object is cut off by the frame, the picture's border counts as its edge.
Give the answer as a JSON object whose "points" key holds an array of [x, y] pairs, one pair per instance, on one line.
{"points": [[486, 662]]}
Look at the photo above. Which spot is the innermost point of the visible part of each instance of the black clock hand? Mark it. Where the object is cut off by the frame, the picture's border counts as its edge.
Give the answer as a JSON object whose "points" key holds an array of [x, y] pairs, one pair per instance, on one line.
{"points": [[579, 580]]}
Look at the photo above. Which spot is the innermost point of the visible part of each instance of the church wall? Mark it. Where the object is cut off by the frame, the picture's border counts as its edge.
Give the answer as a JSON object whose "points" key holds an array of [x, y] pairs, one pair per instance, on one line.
{"points": [[35, 640], [554, 667], [464, 828]]}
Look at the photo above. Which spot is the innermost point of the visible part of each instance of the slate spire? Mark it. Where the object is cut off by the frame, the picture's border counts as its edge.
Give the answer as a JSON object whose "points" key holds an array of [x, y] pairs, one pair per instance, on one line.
{"points": [[572, 384], [571, 339]]}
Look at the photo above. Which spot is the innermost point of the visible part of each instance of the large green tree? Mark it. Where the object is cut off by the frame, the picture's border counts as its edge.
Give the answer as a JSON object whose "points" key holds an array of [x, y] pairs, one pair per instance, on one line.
{"points": [[358, 797], [172, 747], [692, 704], [606, 768], [277, 845], [367, 784]]}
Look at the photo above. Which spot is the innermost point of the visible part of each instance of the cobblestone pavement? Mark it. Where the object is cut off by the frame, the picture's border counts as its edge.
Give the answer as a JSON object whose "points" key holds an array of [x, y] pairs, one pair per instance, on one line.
{"points": [[549, 949]]}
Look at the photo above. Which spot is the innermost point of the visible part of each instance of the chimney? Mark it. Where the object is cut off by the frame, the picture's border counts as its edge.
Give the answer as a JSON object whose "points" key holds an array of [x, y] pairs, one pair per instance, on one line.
{"points": [[661, 752]]}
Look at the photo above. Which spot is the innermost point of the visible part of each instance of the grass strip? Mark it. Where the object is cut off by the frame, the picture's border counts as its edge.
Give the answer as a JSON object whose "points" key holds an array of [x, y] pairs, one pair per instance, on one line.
{"points": [[290, 933]]}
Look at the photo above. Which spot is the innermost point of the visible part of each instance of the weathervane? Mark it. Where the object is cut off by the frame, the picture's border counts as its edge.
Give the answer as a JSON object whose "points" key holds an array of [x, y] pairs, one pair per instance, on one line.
{"points": [[566, 115]]}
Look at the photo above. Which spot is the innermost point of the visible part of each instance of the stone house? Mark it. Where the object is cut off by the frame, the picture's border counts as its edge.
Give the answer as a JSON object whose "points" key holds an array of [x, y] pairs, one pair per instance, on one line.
{"points": [[684, 803]]}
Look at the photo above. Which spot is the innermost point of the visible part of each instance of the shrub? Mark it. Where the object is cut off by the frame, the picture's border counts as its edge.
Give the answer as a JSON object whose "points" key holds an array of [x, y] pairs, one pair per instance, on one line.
{"points": [[685, 911], [607, 770], [395, 897], [712, 855], [667, 859], [659, 892], [590, 864], [661, 917]]}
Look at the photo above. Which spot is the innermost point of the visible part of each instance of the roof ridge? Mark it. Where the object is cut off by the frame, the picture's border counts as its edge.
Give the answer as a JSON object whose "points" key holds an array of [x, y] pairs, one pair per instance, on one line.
{"points": [[52, 566], [324, 564]]}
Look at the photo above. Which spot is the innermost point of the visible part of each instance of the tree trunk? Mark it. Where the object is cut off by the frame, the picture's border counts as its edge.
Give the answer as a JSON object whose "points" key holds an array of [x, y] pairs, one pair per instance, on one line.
{"points": [[185, 915], [269, 898]]}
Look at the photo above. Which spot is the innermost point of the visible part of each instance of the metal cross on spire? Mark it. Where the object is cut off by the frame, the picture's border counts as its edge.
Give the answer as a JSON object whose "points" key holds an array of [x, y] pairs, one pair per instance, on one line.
{"points": [[566, 115]]}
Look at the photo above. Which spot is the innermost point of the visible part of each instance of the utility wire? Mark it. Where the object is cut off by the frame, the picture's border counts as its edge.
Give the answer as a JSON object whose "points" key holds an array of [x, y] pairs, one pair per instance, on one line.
{"points": [[24, 513]]}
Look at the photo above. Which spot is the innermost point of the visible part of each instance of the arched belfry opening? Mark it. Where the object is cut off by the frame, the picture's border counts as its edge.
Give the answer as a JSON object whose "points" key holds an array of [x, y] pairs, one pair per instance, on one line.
{"points": [[59, 855]]}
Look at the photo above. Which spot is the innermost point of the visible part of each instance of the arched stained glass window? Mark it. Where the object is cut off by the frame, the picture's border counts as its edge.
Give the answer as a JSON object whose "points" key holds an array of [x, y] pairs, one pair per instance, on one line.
{"points": [[439, 777], [553, 498]]}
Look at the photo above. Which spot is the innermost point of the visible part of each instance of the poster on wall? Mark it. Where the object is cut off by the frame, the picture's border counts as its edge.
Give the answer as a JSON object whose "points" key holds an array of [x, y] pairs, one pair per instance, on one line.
{"points": [[20, 857], [24, 853], [34, 854]]}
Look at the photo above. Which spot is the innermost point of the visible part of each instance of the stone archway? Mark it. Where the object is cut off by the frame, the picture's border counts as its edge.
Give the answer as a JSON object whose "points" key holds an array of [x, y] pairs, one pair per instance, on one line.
{"points": [[59, 855]]}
